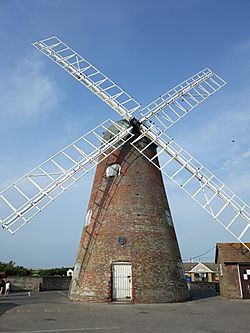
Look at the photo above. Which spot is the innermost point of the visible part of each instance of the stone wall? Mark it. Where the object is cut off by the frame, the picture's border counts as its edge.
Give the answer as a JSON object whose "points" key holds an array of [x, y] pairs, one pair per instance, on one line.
{"points": [[56, 283], [33, 283], [204, 286], [25, 283]]}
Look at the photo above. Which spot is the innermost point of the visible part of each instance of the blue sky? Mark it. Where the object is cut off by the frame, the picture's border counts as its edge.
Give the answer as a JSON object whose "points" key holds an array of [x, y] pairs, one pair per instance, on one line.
{"points": [[147, 47]]}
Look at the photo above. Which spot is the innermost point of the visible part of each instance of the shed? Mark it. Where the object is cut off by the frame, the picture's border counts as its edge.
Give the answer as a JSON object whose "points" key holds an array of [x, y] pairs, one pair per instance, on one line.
{"points": [[234, 269]]}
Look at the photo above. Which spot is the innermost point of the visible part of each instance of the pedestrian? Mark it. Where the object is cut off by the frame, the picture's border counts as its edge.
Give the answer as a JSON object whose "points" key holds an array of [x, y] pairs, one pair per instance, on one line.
{"points": [[2, 293], [7, 288], [1, 286]]}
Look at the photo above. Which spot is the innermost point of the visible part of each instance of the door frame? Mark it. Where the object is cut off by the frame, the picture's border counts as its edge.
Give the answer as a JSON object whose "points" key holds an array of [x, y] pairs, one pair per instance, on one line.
{"points": [[240, 278], [128, 263]]}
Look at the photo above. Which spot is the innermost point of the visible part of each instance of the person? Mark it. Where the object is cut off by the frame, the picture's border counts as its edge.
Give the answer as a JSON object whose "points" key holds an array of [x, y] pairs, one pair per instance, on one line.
{"points": [[7, 288], [1, 286]]}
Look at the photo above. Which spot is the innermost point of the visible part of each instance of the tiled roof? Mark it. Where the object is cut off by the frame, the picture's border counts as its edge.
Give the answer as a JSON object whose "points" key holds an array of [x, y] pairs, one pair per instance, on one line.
{"points": [[232, 252], [188, 266]]}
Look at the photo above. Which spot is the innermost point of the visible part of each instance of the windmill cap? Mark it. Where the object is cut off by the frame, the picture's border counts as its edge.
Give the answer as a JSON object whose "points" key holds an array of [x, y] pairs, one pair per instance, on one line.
{"points": [[123, 125]]}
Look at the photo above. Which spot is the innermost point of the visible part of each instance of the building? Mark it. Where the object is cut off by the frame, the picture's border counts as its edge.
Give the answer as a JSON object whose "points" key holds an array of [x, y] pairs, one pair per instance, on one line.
{"points": [[128, 249], [201, 272], [70, 272], [234, 269]]}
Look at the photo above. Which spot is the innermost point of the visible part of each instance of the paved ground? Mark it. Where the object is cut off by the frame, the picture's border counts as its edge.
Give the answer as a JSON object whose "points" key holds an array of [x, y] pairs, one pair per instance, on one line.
{"points": [[52, 312]]}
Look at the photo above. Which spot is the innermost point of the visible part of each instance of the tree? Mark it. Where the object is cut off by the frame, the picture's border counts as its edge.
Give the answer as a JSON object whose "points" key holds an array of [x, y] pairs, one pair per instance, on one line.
{"points": [[11, 269]]}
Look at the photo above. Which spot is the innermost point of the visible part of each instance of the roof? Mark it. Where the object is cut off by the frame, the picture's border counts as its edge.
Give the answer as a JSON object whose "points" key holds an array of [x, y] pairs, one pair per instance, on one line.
{"points": [[198, 267], [232, 253]]}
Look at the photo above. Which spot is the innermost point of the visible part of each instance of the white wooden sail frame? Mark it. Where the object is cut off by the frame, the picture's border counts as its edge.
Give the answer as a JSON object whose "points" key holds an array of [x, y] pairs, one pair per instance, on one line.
{"points": [[24, 199]]}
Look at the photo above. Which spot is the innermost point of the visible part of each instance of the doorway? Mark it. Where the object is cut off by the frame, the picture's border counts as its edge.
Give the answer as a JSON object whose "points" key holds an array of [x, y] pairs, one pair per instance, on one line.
{"points": [[244, 271], [121, 281]]}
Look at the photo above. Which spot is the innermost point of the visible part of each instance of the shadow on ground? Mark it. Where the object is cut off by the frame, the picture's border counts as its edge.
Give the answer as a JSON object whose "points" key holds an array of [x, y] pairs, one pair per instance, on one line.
{"points": [[198, 294], [6, 306]]}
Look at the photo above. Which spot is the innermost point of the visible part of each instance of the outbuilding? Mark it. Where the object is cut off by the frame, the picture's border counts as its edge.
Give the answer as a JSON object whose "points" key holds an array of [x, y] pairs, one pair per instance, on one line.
{"points": [[234, 269]]}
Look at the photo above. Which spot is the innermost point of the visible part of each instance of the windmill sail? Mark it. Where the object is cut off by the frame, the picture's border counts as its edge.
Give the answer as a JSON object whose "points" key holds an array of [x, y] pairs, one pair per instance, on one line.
{"points": [[170, 107], [28, 196], [88, 75], [25, 198], [199, 183]]}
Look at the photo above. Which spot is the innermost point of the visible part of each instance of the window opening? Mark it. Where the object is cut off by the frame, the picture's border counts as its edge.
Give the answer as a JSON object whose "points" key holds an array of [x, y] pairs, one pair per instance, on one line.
{"points": [[113, 170], [88, 217]]}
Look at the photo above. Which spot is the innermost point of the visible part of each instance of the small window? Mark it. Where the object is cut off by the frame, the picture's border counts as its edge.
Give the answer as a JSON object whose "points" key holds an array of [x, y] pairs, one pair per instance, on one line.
{"points": [[88, 217], [113, 170]]}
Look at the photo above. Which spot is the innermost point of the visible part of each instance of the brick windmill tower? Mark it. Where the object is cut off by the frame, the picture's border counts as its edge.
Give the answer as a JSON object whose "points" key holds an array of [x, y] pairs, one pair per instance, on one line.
{"points": [[128, 248]]}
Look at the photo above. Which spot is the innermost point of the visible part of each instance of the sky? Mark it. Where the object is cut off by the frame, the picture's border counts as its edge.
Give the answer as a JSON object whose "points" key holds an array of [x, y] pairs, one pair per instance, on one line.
{"points": [[146, 47]]}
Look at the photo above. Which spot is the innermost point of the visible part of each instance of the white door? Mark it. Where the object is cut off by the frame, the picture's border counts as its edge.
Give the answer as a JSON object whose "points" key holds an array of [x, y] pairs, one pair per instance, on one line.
{"points": [[121, 281]]}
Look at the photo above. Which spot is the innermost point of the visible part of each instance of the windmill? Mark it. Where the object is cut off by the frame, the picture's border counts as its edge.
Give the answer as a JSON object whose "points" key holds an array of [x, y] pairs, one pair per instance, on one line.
{"points": [[128, 249]]}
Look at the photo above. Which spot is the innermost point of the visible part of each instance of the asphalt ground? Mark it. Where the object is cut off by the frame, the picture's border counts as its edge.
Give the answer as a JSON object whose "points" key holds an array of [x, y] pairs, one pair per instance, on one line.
{"points": [[53, 312]]}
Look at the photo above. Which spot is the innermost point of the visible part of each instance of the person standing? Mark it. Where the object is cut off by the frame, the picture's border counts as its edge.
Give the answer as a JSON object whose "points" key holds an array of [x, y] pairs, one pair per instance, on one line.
{"points": [[7, 288], [3, 287]]}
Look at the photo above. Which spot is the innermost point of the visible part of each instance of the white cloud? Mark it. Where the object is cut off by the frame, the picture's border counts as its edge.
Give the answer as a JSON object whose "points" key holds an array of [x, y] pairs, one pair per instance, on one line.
{"points": [[26, 92], [246, 154]]}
